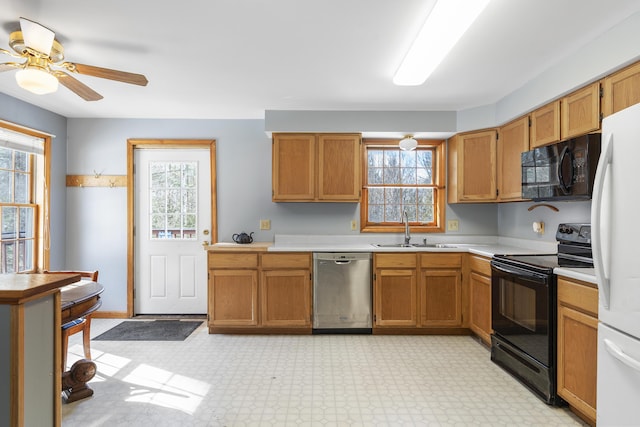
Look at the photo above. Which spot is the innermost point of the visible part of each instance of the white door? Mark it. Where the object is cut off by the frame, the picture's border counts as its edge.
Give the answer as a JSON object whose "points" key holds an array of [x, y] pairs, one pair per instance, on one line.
{"points": [[172, 219]]}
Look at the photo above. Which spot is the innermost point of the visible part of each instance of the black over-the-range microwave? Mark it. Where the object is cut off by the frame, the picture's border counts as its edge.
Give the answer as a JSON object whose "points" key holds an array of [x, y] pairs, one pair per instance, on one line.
{"points": [[562, 171]]}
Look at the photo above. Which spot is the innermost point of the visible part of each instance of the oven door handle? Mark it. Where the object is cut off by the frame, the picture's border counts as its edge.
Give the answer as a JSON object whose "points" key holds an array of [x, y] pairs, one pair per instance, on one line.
{"points": [[597, 236], [520, 272]]}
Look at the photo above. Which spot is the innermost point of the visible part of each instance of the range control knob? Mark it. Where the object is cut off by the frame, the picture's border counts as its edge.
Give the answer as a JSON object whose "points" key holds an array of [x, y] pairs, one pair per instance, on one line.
{"points": [[565, 230]]}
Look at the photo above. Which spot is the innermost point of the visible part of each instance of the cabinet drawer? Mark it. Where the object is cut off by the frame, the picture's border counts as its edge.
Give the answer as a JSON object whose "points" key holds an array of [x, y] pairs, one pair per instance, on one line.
{"points": [[297, 260], [395, 260], [580, 296], [233, 260], [432, 260], [480, 265]]}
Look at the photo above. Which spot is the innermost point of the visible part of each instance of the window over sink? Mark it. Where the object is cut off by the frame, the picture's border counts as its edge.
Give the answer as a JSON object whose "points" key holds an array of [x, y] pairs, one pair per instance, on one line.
{"points": [[395, 181]]}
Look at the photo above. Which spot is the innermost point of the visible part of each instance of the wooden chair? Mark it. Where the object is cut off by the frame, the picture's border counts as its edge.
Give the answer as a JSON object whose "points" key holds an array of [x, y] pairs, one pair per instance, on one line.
{"points": [[82, 324]]}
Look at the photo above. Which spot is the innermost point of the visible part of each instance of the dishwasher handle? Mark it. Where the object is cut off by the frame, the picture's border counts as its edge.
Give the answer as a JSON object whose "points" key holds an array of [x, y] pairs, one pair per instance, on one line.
{"points": [[342, 261]]}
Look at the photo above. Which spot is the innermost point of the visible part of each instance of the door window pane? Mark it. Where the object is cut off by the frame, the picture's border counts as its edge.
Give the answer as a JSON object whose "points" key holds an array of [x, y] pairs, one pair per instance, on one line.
{"points": [[174, 202]]}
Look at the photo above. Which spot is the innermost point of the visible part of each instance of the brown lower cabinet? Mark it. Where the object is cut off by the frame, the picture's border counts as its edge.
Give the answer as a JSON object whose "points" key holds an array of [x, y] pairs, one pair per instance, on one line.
{"points": [[480, 297], [418, 292], [577, 346], [259, 292]]}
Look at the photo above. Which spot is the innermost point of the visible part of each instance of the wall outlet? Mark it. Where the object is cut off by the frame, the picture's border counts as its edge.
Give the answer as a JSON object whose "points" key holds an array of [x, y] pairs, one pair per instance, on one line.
{"points": [[538, 227], [354, 225], [265, 224], [452, 225]]}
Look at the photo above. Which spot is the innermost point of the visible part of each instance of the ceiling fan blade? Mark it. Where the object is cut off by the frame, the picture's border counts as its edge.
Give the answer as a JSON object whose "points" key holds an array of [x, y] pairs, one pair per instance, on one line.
{"points": [[77, 87], [9, 66], [107, 73], [36, 36]]}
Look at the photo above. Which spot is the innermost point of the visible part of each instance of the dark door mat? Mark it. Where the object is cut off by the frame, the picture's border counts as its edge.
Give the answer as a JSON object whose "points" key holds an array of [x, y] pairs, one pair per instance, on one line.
{"points": [[156, 330]]}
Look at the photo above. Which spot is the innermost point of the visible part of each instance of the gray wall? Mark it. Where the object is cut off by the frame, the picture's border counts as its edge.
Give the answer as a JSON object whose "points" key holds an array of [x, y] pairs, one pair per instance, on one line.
{"points": [[18, 112], [515, 220]]}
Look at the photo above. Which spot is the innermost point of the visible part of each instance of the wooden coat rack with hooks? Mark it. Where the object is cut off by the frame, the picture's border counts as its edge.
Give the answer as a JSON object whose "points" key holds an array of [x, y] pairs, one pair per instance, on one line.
{"points": [[96, 180]]}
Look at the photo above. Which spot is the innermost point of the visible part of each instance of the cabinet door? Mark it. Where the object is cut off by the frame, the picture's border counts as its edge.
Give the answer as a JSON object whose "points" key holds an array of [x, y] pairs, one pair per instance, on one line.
{"points": [[441, 298], [395, 297], [577, 359], [545, 125], [621, 90], [233, 297], [339, 168], [581, 112], [286, 298], [293, 175], [480, 306], [513, 141], [477, 156]]}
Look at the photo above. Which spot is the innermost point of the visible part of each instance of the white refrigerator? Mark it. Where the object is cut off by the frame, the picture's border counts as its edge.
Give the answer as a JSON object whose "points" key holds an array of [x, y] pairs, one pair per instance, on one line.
{"points": [[615, 230]]}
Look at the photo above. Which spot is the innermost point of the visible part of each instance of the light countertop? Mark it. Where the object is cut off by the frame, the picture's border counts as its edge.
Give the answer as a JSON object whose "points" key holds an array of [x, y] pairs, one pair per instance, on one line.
{"points": [[584, 274], [480, 245], [486, 246]]}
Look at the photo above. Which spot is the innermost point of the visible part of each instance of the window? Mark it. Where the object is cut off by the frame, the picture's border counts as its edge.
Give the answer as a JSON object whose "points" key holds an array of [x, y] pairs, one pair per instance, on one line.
{"points": [[397, 181], [21, 183], [173, 195]]}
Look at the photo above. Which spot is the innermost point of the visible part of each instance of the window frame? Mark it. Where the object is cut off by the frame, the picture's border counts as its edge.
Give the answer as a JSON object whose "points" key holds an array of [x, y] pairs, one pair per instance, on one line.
{"points": [[40, 174], [438, 185]]}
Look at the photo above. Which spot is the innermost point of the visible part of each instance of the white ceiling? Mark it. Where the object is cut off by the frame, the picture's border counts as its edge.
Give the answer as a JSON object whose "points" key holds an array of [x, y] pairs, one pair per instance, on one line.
{"points": [[220, 59]]}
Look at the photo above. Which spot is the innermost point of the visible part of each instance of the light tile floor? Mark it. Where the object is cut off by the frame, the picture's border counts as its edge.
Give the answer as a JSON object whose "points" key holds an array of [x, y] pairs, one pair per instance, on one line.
{"points": [[322, 380]]}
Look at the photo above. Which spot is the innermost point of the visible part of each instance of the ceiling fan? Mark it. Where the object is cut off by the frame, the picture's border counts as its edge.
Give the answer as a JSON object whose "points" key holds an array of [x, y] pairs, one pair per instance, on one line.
{"points": [[44, 66]]}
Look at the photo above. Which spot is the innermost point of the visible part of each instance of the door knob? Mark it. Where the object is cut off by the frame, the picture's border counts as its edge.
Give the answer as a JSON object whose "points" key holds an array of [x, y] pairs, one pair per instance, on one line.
{"points": [[205, 232]]}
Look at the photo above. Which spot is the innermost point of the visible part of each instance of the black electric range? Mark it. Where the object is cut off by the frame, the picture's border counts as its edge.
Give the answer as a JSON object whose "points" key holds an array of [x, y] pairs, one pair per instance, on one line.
{"points": [[524, 313], [574, 251]]}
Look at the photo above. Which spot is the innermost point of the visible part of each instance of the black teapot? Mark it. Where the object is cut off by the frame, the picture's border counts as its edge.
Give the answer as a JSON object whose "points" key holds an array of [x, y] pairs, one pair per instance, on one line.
{"points": [[243, 238]]}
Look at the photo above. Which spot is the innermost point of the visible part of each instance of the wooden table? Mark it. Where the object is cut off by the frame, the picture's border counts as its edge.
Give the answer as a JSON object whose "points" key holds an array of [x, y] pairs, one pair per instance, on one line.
{"points": [[80, 299]]}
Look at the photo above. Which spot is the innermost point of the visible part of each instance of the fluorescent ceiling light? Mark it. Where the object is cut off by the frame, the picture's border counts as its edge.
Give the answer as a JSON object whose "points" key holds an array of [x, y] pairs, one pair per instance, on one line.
{"points": [[445, 25]]}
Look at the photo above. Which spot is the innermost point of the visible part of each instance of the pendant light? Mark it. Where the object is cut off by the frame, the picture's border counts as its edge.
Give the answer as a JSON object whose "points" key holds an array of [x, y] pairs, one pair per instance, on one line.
{"points": [[408, 143]]}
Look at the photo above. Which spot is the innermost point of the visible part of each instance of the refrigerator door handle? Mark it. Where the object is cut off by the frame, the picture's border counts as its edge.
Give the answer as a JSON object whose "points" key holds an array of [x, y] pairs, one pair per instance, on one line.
{"points": [[619, 354], [596, 211]]}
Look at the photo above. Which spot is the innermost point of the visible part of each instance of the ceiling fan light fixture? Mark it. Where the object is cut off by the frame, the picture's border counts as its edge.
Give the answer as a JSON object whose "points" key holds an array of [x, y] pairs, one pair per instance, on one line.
{"points": [[408, 143], [445, 25], [37, 80]]}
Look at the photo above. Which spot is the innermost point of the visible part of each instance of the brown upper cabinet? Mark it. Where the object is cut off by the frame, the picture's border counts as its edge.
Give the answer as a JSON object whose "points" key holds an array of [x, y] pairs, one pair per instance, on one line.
{"points": [[621, 89], [580, 112], [472, 167], [545, 125], [575, 114], [316, 167], [513, 140]]}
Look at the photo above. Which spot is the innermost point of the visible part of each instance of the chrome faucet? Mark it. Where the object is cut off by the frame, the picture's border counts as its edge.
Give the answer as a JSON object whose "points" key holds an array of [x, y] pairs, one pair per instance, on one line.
{"points": [[405, 220]]}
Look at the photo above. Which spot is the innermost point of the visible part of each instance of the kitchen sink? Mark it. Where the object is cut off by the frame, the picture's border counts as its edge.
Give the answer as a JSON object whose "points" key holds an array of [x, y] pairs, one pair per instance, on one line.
{"points": [[412, 245]]}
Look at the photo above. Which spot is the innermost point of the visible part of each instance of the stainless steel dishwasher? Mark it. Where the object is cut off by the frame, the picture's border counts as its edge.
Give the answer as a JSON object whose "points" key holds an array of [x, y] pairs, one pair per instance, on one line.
{"points": [[342, 301]]}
